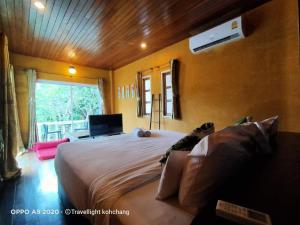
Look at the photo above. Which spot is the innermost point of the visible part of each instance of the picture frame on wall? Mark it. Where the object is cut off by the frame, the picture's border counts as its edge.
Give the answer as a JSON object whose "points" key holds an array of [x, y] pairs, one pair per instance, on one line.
{"points": [[123, 92], [127, 91], [119, 92], [132, 88]]}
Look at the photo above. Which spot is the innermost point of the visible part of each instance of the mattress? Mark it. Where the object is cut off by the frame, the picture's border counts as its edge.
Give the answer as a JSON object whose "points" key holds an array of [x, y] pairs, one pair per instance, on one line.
{"points": [[96, 172], [143, 209]]}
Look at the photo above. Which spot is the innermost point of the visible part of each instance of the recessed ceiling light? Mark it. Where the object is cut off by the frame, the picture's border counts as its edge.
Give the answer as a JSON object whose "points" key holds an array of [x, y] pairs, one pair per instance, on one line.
{"points": [[39, 5], [143, 45], [72, 70], [71, 54]]}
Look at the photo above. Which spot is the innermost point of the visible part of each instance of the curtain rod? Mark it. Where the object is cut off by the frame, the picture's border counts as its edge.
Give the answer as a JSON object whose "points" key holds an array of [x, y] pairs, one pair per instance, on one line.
{"points": [[55, 74], [156, 67], [70, 76]]}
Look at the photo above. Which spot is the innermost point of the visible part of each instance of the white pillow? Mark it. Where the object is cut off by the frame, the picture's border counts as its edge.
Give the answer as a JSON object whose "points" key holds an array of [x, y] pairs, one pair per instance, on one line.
{"points": [[201, 148], [171, 175]]}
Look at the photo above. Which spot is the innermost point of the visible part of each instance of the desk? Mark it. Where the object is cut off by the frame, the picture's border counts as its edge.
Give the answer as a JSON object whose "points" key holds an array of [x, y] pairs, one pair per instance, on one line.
{"points": [[83, 135], [75, 136]]}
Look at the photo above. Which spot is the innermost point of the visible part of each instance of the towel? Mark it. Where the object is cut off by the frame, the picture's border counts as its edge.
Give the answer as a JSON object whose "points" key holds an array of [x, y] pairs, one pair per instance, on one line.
{"points": [[147, 133], [138, 132]]}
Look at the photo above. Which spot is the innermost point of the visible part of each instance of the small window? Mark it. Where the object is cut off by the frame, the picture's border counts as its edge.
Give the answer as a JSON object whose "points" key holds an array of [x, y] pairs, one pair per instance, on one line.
{"points": [[146, 96], [167, 94]]}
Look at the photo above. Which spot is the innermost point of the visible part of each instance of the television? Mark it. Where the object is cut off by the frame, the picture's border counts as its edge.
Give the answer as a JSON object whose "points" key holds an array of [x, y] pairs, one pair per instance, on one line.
{"points": [[105, 124]]}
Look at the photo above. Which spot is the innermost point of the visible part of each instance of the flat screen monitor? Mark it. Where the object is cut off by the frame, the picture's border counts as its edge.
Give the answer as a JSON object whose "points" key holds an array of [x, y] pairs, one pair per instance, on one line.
{"points": [[105, 124]]}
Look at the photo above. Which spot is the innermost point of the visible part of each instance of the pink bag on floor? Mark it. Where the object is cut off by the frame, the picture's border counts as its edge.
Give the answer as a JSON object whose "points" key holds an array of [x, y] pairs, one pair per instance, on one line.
{"points": [[47, 150]]}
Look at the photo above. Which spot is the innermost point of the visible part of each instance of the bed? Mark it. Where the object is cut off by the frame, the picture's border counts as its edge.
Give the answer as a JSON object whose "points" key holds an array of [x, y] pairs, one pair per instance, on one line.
{"points": [[119, 172]]}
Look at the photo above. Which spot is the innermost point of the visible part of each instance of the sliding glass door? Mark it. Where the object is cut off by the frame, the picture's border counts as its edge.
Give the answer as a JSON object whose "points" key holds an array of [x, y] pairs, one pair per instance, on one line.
{"points": [[63, 109]]}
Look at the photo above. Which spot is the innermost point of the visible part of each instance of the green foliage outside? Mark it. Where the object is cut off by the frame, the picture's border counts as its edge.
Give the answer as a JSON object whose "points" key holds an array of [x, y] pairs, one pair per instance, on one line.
{"points": [[57, 102]]}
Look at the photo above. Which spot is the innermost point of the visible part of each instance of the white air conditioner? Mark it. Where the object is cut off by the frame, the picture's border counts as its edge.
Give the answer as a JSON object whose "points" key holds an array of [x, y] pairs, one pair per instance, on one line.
{"points": [[224, 33]]}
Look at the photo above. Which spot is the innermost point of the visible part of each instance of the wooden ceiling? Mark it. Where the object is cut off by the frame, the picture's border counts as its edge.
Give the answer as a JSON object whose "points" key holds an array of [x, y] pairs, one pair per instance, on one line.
{"points": [[107, 33]]}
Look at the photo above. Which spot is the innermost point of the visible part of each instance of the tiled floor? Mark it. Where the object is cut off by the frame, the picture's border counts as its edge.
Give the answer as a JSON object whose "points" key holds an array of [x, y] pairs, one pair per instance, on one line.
{"points": [[35, 190]]}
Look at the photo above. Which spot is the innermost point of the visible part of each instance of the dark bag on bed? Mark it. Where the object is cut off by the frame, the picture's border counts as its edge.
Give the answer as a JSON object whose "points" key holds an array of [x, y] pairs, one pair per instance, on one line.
{"points": [[188, 142]]}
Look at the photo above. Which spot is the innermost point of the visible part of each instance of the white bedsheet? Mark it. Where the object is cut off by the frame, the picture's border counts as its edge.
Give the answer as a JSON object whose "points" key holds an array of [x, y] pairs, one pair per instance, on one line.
{"points": [[96, 172], [144, 209]]}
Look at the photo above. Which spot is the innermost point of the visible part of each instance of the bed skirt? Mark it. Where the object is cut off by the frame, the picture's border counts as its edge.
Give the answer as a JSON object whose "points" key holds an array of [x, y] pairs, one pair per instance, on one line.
{"points": [[67, 204]]}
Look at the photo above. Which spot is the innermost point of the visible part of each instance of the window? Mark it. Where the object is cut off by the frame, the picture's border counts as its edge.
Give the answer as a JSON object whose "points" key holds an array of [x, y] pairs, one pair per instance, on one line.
{"points": [[167, 93], [64, 108], [146, 95]]}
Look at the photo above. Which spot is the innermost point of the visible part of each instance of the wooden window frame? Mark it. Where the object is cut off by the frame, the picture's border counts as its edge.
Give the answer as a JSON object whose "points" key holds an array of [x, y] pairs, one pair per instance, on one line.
{"points": [[144, 78], [164, 93]]}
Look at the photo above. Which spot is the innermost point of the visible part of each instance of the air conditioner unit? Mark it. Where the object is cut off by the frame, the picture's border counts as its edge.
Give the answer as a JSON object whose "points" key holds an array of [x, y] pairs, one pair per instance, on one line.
{"points": [[219, 35]]}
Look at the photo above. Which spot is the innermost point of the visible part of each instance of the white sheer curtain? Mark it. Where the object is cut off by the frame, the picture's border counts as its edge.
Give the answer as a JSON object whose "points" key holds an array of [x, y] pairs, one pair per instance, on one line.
{"points": [[32, 137], [102, 95]]}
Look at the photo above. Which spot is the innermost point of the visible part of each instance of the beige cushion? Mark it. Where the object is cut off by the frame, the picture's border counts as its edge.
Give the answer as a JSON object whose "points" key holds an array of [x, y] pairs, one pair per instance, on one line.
{"points": [[171, 175], [189, 179], [214, 160]]}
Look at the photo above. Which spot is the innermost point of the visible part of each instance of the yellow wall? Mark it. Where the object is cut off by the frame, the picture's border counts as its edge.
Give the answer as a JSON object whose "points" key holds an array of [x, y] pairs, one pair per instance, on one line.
{"points": [[53, 71], [257, 76]]}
